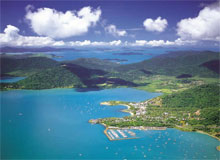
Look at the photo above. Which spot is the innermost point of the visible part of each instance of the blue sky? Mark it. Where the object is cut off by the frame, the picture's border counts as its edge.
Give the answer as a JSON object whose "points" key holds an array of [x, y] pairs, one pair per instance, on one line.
{"points": [[117, 22]]}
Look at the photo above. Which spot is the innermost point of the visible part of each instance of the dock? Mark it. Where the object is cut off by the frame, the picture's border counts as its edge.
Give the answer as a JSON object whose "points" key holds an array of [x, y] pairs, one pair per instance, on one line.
{"points": [[132, 133], [119, 134], [122, 133]]}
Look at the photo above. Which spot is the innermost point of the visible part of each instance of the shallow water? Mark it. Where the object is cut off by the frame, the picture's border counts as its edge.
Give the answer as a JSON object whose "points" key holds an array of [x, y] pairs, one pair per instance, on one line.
{"points": [[10, 79], [54, 124]]}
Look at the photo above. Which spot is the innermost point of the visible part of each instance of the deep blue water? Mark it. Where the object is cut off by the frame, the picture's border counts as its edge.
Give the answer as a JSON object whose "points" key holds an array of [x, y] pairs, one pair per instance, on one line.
{"points": [[54, 124]]}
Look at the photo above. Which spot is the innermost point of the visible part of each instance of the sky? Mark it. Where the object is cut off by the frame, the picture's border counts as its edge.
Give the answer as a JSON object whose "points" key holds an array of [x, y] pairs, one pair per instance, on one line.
{"points": [[128, 23]]}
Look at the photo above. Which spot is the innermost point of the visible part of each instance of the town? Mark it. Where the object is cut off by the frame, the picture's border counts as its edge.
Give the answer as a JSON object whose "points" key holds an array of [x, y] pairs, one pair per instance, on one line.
{"points": [[150, 115]]}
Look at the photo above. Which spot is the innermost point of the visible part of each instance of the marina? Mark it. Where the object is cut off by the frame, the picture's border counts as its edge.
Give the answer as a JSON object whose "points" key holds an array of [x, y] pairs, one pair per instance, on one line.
{"points": [[119, 134], [115, 133]]}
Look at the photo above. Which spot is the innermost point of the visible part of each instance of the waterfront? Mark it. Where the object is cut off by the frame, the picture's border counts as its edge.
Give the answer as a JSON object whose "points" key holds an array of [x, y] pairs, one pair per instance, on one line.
{"points": [[54, 124]]}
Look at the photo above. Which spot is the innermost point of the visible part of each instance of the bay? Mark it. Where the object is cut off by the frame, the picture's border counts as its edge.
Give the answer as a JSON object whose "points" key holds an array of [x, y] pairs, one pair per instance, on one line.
{"points": [[54, 124]]}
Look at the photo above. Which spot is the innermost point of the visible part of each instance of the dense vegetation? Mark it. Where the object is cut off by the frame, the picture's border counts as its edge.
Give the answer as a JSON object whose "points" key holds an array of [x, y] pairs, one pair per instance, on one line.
{"points": [[94, 63], [41, 73], [193, 109], [55, 77], [177, 63], [151, 75], [203, 96], [25, 66], [213, 65]]}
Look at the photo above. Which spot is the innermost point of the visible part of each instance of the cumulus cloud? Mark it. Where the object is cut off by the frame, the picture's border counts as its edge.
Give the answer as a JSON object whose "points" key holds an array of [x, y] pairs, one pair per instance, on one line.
{"points": [[158, 25], [203, 27], [161, 43], [95, 43], [11, 37], [153, 43], [52, 23], [29, 7], [112, 29]]}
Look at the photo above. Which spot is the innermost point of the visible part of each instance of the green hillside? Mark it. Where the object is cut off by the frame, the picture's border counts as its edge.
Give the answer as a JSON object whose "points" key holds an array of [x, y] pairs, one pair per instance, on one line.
{"points": [[164, 73], [203, 96], [213, 65], [25, 66], [94, 63], [56, 77], [177, 63]]}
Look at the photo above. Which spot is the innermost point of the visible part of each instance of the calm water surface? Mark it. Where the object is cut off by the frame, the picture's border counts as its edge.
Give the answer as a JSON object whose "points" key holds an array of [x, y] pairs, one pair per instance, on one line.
{"points": [[10, 79], [54, 124]]}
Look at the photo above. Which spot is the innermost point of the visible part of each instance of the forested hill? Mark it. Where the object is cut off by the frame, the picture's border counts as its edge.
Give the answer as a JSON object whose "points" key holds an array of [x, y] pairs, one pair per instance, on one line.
{"points": [[97, 73], [203, 96], [56, 77], [178, 63], [25, 66], [45, 73], [94, 63]]}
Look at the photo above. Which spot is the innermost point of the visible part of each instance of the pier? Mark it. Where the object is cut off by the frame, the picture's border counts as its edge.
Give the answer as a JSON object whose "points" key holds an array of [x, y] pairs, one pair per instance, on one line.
{"points": [[132, 133], [122, 133], [119, 134], [115, 133]]}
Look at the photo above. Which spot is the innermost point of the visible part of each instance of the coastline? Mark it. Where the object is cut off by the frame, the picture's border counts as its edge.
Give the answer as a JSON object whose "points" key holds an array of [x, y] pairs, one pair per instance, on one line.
{"points": [[121, 104], [201, 132], [132, 114]]}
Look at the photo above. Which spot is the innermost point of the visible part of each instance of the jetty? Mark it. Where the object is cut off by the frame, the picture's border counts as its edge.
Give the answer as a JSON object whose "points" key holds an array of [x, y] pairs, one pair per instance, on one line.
{"points": [[122, 133], [114, 133], [118, 134], [132, 133]]}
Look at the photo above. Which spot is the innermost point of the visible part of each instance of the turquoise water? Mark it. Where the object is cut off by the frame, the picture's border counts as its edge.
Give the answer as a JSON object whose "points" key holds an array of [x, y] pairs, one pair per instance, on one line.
{"points": [[54, 124], [11, 79], [136, 56], [122, 56]]}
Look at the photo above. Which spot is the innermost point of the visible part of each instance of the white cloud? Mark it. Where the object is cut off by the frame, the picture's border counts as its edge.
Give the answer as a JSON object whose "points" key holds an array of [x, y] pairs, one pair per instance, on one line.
{"points": [[161, 43], [112, 29], [29, 7], [115, 43], [158, 25], [203, 27], [52, 23], [11, 37], [95, 43], [153, 43]]}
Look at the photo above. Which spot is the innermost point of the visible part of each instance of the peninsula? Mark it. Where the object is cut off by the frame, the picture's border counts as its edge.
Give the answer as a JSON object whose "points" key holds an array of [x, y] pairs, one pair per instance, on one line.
{"points": [[183, 110]]}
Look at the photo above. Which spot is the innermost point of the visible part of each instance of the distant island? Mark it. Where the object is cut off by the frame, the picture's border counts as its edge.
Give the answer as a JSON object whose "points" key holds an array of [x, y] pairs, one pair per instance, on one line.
{"points": [[128, 53], [115, 59]]}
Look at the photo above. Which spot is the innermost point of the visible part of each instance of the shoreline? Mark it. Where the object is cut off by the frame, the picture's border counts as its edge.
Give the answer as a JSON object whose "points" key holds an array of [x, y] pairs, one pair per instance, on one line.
{"points": [[202, 132], [123, 110], [132, 114], [152, 128]]}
